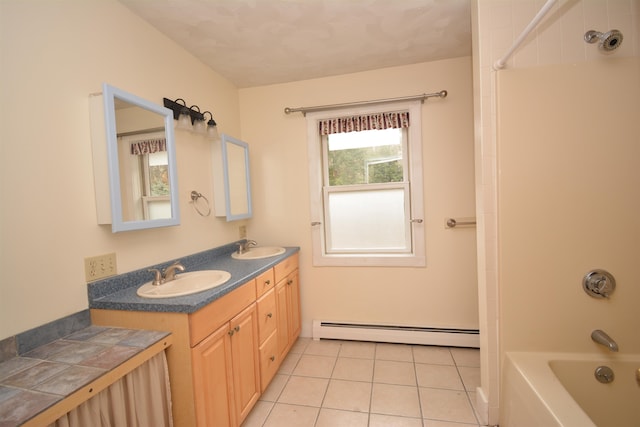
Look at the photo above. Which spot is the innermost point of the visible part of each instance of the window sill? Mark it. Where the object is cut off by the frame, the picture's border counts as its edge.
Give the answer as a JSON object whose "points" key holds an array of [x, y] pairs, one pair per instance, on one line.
{"points": [[377, 260]]}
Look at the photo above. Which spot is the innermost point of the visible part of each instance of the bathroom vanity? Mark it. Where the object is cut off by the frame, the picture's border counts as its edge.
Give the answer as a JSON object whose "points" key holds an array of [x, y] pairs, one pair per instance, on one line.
{"points": [[228, 342]]}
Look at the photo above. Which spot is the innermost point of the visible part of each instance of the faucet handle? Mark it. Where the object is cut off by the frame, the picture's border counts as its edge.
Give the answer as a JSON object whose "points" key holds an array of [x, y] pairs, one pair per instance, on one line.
{"points": [[157, 280]]}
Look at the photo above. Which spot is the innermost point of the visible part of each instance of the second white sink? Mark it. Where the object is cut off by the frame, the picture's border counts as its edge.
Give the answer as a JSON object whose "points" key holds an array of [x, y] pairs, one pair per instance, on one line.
{"points": [[259, 252], [185, 284]]}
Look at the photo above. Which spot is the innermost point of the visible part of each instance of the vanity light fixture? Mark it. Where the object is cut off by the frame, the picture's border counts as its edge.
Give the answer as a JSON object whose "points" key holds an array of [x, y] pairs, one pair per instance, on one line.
{"points": [[190, 118], [198, 122], [212, 128]]}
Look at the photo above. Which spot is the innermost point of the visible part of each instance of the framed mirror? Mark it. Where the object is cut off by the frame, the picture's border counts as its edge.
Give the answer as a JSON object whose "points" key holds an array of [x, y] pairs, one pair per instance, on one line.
{"points": [[232, 184], [141, 162]]}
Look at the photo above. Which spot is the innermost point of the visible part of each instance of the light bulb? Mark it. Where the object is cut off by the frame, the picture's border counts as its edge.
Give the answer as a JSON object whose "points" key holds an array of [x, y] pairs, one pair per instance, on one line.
{"points": [[199, 126], [184, 119]]}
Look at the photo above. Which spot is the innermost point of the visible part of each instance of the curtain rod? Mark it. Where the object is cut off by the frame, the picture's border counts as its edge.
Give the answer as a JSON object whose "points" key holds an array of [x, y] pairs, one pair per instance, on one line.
{"points": [[500, 63], [141, 131], [305, 110]]}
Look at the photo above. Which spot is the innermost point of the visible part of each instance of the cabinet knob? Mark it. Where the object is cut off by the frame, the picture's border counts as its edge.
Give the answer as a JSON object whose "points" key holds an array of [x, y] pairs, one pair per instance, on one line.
{"points": [[269, 315], [290, 281], [272, 358], [231, 332], [267, 282], [237, 328]]}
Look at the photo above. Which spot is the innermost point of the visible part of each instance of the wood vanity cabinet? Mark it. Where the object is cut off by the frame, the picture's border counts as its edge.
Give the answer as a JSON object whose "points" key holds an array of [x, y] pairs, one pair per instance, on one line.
{"points": [[225, 354], [226, 373], [287, 293]]}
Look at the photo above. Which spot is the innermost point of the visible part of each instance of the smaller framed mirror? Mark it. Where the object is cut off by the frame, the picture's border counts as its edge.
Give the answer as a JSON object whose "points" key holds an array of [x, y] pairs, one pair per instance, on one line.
{"points": [[142, 171], [232, 184]]}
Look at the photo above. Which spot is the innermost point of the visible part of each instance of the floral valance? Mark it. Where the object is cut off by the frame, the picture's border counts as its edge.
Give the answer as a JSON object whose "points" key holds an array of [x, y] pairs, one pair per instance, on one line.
{"points": [[375, 121], [148, 146]]}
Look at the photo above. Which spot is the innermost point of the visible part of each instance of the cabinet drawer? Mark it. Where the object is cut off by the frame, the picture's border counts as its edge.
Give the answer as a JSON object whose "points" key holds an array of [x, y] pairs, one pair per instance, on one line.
{"points": [[264, 282], [285, 267], [267, 315], [211, 317], [269, 360]]}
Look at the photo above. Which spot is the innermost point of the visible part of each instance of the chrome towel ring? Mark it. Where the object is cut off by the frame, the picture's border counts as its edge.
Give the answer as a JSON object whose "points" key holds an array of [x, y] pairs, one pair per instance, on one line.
{"points": [[194, 199]]}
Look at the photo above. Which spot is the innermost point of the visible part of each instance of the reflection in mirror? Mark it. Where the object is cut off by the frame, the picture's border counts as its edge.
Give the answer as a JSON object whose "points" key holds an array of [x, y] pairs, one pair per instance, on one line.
{"points": [[142, 167], [233, 187]]}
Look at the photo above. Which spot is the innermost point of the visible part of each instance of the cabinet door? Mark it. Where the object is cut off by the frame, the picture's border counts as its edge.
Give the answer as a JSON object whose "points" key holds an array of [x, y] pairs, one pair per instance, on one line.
{"points": [[213, 380], [282, 317], [246, 361], [293, 304]]}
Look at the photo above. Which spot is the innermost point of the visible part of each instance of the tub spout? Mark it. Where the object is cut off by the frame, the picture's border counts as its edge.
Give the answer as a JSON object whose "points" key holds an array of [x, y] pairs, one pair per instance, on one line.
{"points": [[602, 338]]}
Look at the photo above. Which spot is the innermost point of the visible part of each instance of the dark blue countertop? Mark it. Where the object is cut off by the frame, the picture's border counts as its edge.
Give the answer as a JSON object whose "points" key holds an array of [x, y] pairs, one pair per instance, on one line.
{"points": [[119, 292]]}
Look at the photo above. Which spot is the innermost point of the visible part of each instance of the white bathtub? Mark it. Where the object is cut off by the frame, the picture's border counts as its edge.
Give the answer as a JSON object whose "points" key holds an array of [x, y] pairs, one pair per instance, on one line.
{"points": [[560, 390]]}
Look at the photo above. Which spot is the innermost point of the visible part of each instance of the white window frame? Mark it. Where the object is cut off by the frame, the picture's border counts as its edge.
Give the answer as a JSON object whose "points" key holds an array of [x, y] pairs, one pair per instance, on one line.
{"points": [[415, 218]]}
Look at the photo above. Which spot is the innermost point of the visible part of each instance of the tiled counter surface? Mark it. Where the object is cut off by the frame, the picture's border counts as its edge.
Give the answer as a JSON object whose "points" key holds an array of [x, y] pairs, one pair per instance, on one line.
{"points": [[120, 292], [45, 376]]}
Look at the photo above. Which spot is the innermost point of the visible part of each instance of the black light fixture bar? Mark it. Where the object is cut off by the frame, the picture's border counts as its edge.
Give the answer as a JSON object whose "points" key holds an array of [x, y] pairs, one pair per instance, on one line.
{"points": [[177, 108]]}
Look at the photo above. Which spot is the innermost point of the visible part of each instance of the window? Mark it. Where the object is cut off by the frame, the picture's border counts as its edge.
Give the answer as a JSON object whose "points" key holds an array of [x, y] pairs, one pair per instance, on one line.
{"points": [[366, 187], [144, 176]]}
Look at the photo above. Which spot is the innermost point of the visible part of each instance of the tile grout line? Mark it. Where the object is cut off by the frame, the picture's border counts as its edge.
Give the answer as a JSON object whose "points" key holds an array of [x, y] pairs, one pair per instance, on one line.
{"points": [[466, 392]]}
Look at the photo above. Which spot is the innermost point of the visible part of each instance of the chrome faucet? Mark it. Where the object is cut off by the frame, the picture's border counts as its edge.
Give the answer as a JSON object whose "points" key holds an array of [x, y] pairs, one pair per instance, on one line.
{"points": [[602, 338], [244, 247], [166, 275]]}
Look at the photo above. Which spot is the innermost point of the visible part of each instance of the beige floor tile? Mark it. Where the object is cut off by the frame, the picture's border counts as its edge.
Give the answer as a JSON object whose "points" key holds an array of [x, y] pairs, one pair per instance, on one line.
{"points": [[336, 418], [274, 388], [315, 366], [446, 405], [391, 372], [389, 399], [258, 414], [432, 354], [470, 377], [323, 348], [435, 423], [466, 357], [353, 369], [300, 345], [289, 363], [283, 415], [304, 391], [397, 352], [358, 349], [348, 395], [472, 397], [377, 420], [438, 376]]}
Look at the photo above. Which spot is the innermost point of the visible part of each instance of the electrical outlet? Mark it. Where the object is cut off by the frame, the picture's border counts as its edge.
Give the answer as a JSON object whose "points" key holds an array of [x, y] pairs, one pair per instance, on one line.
{"points": [[243, 231], [100, 266]]}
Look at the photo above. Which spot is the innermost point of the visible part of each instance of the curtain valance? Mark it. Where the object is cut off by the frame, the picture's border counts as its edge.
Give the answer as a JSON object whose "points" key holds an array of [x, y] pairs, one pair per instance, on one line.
{"points": [[377, 121], [148, 146]]}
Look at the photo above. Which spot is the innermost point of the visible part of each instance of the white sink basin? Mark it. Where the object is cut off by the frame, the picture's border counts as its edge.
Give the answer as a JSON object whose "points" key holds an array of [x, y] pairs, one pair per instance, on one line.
{"points": [[259, 252], [185, 284]]}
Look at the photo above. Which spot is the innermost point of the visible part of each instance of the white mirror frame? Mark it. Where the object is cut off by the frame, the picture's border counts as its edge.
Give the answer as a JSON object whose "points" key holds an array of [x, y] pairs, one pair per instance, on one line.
{"points": [[110, 93], [224, 195]]}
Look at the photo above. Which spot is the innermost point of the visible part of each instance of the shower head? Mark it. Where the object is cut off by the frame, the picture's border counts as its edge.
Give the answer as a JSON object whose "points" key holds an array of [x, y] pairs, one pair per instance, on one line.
{"points": [[607, 41]]}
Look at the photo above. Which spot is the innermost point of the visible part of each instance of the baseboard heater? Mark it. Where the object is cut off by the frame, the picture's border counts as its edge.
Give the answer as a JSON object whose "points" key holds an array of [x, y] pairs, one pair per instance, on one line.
{"points": [[396, 334]]}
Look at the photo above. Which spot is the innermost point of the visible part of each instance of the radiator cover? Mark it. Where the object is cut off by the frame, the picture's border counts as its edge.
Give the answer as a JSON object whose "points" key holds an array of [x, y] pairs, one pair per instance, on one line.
{"points": [[450, 337]]}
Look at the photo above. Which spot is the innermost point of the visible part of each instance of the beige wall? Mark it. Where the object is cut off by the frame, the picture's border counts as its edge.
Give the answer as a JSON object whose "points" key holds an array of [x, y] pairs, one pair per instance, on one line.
{"points": [[442, 294], [573, 150], [54, 54]]}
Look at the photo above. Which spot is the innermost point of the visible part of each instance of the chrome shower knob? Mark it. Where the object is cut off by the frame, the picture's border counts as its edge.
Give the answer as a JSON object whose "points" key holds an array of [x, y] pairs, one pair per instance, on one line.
{"points": [[598, 283]]}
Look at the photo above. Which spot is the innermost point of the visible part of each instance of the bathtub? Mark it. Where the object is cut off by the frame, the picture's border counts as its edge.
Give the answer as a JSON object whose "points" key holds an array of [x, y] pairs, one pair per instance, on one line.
{"points": [[560, 390]]}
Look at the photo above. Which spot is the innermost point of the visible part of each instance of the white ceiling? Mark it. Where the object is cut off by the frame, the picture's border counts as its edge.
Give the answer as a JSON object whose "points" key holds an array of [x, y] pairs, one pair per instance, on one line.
{"points": [[260, 42]]}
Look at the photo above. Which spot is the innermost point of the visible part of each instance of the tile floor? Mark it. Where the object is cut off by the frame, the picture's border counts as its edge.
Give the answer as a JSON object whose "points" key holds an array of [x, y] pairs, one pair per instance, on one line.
{"points": [[360, 384]]}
